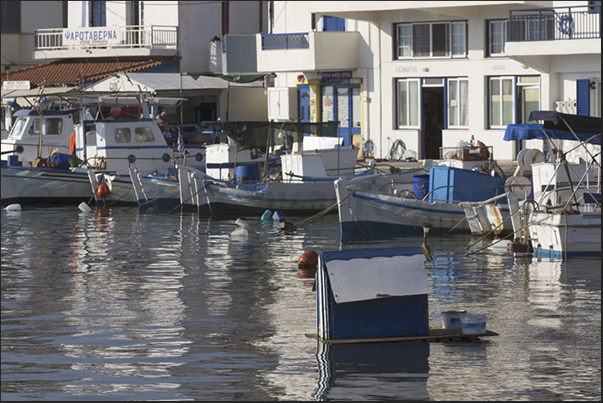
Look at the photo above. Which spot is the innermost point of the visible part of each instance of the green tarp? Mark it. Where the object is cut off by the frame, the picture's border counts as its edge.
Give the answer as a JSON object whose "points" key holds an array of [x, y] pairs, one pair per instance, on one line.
{"points": [[249, 135], [242, 78]]}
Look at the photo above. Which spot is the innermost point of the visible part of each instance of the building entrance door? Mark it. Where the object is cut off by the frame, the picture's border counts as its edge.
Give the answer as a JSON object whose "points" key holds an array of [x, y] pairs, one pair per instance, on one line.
{"points": [[341, 103], [433, 121]]}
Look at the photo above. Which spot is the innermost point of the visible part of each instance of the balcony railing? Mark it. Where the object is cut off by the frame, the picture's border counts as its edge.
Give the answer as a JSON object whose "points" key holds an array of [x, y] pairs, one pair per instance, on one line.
{"points": [[544, 24], [285, 41], [132, 36]]}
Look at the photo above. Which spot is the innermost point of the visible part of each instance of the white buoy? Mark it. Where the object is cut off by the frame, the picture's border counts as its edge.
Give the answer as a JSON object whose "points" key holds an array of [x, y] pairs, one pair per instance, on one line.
{"points": [[240, 232], [241, 223], [13, 207], [84, 207]]}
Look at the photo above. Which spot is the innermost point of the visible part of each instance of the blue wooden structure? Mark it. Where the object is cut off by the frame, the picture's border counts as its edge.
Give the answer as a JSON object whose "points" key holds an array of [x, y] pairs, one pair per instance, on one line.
{"points": [[372, 294]]}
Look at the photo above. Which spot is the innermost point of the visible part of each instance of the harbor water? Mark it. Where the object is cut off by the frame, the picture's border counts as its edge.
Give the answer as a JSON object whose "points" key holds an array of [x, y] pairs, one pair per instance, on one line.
{"points": [[116, 304]]}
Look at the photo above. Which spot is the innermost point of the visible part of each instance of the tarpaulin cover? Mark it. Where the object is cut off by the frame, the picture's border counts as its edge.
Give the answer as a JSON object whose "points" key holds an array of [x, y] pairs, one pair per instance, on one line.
{"points": [[557, 121], [587, 128], [249, 135]]}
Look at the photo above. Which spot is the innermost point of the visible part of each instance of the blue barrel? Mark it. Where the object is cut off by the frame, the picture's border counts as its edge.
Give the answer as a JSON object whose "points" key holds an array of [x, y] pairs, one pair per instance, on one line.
{"points": [[63, 160], [247, 172], [420, 185], [12, 160]]}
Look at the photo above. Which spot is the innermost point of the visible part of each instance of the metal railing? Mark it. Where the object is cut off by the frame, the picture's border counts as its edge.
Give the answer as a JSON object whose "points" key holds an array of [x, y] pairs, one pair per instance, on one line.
{"points": [[555, 23], [131, 36], [285, 41]]}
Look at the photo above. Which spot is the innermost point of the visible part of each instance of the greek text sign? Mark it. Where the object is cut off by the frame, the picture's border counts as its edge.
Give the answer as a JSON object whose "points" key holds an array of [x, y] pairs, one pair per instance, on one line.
{"points": [[100, 36], [335, 76]]}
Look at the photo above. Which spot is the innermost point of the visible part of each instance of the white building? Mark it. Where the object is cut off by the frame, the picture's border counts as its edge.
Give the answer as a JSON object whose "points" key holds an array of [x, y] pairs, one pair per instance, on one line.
{"points": [[422, 74], [101, 36], [431, 73]]}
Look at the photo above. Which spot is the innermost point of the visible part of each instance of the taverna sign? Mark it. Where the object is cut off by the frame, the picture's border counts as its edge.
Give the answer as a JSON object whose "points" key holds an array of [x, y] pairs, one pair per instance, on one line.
{"points": [[98, 36]]}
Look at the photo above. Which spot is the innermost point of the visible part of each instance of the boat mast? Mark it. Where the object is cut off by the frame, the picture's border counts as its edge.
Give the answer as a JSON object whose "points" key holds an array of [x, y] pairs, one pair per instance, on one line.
{"points": [[41, 113]]}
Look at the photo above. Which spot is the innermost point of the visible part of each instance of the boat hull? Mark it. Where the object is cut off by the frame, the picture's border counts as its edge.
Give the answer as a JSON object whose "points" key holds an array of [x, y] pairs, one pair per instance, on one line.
{"points": [[44, 186], [363, 212], [560, 235]]}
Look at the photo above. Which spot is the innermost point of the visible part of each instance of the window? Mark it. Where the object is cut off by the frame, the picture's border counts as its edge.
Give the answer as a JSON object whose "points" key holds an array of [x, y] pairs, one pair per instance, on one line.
{"points": [[52, 126], [497, 37], [458, 102], [123, 135], [508, 100], [143, 134], [98, 14], [10, 17], [436, 39], [408, 103]]}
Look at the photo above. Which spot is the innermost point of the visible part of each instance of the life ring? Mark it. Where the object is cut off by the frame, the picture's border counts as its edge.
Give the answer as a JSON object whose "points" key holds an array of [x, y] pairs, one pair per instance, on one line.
{"points": [[566, 24]]}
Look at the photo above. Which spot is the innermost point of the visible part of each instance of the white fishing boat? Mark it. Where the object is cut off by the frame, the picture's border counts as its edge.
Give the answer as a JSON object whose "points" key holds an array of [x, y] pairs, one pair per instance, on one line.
{"points": [[301, 184], [53, 166], [40, 165], [564, 217], [434, 200], [492, 216]]}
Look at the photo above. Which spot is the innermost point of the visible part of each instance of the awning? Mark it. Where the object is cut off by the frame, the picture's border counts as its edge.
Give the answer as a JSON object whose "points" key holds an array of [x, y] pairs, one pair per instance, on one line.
{"points": [[586, 128], [242, 78]]}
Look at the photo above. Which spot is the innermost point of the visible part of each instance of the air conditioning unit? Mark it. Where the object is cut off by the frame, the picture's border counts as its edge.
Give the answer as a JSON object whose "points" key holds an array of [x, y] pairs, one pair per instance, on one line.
{"points": [[571, 106], [558, 106]]}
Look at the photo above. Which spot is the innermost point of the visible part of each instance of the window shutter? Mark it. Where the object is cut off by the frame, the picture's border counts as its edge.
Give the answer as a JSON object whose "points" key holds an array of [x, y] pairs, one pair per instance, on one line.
{"points": [[583, 97]]}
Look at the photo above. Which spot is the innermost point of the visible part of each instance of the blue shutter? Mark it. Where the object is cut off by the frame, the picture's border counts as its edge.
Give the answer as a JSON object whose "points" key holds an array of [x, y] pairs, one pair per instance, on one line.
{"points": [[583, 97], [333, 23]]}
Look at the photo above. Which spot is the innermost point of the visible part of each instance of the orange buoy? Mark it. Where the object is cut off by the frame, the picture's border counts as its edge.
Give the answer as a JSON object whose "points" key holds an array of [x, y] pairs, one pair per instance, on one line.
{"points": [[102, 191], [308, 258]]}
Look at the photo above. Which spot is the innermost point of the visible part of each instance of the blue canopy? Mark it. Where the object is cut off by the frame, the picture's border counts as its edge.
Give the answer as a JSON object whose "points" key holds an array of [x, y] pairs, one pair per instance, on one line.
{"points": [[587, 128]]}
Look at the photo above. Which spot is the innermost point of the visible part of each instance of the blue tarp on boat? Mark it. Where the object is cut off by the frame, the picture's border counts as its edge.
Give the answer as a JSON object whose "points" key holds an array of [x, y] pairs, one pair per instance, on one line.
{"points": [[586, 128]]}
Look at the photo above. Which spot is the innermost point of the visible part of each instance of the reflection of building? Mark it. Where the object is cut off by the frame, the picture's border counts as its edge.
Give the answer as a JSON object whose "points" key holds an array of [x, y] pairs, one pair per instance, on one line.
{"points": [[372, 371]]}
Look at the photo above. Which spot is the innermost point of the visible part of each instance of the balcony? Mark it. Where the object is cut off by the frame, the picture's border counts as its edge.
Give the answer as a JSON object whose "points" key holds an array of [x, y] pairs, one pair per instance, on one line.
{"points": [[549, 39], [308, 51], [132, 40]]}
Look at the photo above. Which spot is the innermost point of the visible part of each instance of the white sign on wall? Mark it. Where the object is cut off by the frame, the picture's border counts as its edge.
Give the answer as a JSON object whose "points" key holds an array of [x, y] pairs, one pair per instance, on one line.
{"points": [[97, 36], [15, 85]]}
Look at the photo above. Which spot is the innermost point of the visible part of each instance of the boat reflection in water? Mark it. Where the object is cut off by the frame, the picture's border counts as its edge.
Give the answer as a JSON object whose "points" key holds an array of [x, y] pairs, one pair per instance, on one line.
{"points": [[372, 371]]}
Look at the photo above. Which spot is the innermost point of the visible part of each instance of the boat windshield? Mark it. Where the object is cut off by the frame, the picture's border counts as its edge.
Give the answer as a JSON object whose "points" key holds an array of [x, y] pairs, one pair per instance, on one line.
{"points": [[17, 130]]}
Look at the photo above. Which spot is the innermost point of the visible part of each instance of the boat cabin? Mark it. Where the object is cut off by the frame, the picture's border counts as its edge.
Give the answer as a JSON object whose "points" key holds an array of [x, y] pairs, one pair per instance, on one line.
{"points": [[117, 144], [57, 126]]}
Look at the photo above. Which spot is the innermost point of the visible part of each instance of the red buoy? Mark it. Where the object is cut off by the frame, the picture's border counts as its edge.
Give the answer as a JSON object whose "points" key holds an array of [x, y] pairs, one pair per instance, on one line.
{"points": [[102, 191], [308, 258]]}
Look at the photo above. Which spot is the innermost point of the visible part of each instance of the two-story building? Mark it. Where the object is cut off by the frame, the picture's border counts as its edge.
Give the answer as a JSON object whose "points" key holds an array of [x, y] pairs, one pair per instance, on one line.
{"points": [[428, 74], [96, 41]]}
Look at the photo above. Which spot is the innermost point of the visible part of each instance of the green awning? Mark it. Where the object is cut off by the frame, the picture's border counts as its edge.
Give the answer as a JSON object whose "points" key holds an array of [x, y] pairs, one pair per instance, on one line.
{"points": [[242, 79]]}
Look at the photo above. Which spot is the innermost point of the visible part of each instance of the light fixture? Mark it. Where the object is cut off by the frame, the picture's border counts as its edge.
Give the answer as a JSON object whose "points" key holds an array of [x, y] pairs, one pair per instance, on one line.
{"points": [[523, 66], [425, 69]]}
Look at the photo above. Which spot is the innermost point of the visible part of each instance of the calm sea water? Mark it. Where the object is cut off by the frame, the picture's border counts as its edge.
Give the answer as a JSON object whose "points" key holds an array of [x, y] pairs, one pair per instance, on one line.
{"points": [[120, 305]]}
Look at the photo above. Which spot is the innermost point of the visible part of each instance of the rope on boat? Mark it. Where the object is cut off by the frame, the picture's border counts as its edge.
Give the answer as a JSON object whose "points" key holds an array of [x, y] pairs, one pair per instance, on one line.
{"points": [[311, 219]]}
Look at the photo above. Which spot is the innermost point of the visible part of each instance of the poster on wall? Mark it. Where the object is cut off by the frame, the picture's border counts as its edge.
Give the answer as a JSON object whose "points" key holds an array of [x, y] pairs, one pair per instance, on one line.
{"points": [[327, 104]]}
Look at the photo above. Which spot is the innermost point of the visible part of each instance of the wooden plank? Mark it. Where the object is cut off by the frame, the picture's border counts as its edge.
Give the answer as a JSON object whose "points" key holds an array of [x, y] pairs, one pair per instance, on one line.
{"points": [[435, 335]]}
